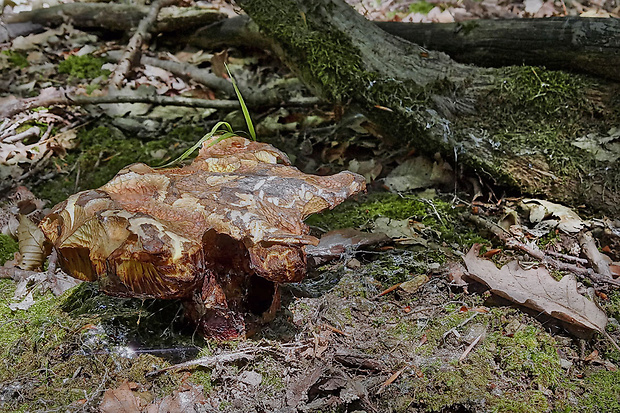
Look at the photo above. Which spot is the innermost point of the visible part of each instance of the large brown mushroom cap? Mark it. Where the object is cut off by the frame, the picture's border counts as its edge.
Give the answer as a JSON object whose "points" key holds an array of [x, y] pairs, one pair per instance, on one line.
{"points": [[237, 209]]}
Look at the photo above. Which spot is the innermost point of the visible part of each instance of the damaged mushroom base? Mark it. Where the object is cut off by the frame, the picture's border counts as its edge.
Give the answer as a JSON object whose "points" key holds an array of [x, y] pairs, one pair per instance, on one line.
{"points": [[233, 306], [236, 299], [224, 286]]}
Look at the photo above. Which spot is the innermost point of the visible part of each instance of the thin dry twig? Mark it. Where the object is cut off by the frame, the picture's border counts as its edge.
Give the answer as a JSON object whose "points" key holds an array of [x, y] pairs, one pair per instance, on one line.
{"points": [[210, 361], [470, 348], [512, 243], [141, 36], [391, 379], [62, 97]]}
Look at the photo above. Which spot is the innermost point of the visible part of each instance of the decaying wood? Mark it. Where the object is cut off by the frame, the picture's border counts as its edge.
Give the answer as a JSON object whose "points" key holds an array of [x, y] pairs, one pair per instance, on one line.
{"points": [[211, 361], [117, 17], [587, 45], [133, 50], [439, 105], [597, 260]]}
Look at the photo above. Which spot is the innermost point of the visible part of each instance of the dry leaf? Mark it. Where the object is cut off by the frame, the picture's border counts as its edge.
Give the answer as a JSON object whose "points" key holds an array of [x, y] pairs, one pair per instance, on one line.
{"points": [[536, 289], [121, 400], [182, 400], [412, 286], [568, 220], [337, 243]]}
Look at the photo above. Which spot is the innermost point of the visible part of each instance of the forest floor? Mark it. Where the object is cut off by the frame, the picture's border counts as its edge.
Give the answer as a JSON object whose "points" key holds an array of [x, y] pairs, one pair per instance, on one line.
{"points": [[408, 324]]}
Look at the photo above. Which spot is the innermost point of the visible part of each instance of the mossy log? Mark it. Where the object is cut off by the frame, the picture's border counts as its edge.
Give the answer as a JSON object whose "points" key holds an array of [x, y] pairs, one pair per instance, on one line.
{"points": [[117, 17], [542, 132], [589, 46]]}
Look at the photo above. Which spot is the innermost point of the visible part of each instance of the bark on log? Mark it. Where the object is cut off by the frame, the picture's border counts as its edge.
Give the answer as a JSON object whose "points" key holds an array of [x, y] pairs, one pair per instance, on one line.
{"points": [[589, 45], [118, 17], [543, 132]]}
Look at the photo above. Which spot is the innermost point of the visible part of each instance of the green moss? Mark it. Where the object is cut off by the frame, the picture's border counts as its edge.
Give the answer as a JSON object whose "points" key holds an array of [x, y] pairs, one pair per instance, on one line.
{"points": [[103, 151], [535, 114], [602, 392], [420, 7], [54, 358], [202, 377], [481, 381], [612, 305], [8, 247], [529, 401], [529, 351], [446, 386], [83, 67], [543, 92], [16, 58], [439, 216], [392, 268]]}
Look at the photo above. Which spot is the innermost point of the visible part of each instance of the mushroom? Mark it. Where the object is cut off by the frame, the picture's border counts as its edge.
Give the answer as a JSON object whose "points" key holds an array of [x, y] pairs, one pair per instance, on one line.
{"points": [[220, 233]]}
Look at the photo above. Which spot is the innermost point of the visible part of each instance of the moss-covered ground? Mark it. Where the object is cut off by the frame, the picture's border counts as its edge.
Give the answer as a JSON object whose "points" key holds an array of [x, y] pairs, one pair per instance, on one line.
{"points": [[84, 342]]}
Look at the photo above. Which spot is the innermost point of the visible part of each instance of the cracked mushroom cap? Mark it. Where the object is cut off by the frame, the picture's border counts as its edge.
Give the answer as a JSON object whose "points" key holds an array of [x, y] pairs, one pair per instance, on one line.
{"points": [[153, 233]]}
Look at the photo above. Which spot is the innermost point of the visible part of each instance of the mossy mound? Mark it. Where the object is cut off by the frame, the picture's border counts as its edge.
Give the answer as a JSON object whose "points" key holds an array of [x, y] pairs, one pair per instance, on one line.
{"points": [[8, 248]]}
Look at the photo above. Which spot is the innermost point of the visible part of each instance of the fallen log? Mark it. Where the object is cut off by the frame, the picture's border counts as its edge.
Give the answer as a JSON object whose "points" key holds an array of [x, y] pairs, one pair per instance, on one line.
{"points": [[587, 45], [539, 131], [117, 17]]}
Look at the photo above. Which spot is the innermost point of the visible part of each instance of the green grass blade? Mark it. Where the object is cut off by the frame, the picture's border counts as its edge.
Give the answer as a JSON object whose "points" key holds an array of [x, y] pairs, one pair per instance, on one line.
{"points": [[244, 108], [227, 129]]}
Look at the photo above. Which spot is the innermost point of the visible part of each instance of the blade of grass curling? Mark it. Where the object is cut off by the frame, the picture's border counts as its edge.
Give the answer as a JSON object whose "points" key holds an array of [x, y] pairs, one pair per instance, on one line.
{"points": [[227, 129], [244, 108]]}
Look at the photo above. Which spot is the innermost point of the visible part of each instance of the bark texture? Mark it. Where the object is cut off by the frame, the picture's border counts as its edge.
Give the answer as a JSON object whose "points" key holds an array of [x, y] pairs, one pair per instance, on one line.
{"points": [[570, 43], [117, 17], [589, 45], [539, 131]]}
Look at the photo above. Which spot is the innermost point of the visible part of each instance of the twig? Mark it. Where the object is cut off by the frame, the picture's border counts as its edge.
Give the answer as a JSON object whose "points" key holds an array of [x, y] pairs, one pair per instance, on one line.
{"points": [[210, 361], [391, 379], [470, 348], [567, 257], [201, 76], [61, 97], [141, 36], [611, 340], [596, 259], [533, 251]]}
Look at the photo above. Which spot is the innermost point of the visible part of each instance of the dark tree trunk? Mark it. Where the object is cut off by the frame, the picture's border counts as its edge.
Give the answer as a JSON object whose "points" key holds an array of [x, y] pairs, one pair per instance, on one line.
{"points": [[540, 131], [589, 45]]}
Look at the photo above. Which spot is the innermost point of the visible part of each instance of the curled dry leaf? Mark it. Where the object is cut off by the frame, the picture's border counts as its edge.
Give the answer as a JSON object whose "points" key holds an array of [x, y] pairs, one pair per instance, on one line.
{"points": [[536, 289], [567, 220], [220, 233], [31, 241]]}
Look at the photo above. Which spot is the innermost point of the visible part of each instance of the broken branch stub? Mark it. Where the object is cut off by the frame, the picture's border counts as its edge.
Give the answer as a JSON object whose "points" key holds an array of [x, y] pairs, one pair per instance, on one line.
{"points": [[220, 233]]}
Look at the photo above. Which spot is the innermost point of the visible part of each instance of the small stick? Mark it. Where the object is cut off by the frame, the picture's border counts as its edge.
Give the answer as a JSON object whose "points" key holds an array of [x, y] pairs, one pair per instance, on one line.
{"points": [[62, 97], [335, 330], [391, 379], [470, 348], [387, 291], [533, 251], [132, 51], [567, 257], [210, 361]]}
